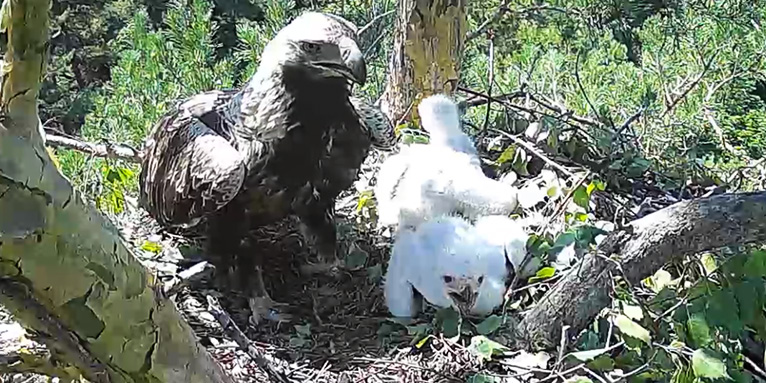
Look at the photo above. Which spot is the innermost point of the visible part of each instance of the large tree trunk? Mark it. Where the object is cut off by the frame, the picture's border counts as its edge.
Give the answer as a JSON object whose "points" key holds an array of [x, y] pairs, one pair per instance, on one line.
{"points": [[428, 45], [64, 270]]}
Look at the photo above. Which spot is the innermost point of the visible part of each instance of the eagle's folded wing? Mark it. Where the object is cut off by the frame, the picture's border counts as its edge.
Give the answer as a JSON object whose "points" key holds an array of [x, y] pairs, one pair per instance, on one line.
{"points": [[190, 169]]}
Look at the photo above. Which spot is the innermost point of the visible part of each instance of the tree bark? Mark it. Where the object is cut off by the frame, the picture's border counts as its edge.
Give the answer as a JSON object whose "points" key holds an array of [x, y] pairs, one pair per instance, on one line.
{"points": [[64, 270], [682, 229], [429, 37]]}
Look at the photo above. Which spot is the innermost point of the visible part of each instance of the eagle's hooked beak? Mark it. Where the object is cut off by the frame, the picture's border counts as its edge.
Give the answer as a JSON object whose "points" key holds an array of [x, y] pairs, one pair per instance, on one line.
{"points": [[352, 65]]}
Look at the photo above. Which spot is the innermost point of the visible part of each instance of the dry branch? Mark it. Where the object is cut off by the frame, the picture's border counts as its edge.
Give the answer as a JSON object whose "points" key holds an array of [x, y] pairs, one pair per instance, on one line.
{"points": [[107, 150], [647, 244]]}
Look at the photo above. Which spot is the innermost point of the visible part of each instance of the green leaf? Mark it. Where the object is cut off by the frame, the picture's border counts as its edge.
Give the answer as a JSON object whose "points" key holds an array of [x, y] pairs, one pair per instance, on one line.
{"points": [[507, 155], [486, 348], [706, 365], [448, 321], [578, 379], [356, 258], [602, 363], [152, 247], [755, 265], [632, 329], [551, 191], [303, 330], [489, 325], [658, 281], [581, 197], [365, 200], [632, 312], [723, 310], [543, 273], [699, 331], [709, 263]]}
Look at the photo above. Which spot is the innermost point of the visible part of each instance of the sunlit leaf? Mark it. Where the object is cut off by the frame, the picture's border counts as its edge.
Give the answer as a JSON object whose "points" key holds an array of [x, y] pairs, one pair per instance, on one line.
{"points": [[486, 348], [489, 325], [633, 329], [699, 331], [706, 365]]}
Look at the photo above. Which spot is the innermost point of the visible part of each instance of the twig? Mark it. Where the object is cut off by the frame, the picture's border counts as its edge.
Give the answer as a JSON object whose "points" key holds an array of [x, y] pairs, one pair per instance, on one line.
{"points": [[107, 150], [582, 88], [188, 276], [534, 151], [691, 86], [263, 361], [503, 9], [373, 21], [491, 75]]}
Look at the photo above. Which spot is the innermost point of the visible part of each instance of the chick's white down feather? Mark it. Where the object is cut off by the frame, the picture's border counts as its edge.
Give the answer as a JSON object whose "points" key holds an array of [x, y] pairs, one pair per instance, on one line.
{"points": [[440, 117], [442, 177], [452, 246]]}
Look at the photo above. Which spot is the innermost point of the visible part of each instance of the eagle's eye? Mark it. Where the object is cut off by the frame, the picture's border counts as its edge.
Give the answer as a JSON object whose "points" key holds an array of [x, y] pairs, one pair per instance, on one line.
{"points": [[481, 279], [310, 47], [447, 279]]}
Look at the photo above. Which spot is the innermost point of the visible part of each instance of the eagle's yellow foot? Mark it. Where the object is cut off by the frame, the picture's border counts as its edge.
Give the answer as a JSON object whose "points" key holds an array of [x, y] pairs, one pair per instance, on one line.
{"points": [[262, 307]]}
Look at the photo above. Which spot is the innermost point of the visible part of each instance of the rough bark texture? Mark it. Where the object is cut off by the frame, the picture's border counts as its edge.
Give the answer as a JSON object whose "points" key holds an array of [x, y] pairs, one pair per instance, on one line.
{"points": [[64, 270], [428, 45], [682, 229]]}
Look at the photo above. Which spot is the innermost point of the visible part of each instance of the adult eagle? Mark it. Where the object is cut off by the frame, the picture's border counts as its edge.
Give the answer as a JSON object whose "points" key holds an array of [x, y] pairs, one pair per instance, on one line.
{"points": [[287, 143]]}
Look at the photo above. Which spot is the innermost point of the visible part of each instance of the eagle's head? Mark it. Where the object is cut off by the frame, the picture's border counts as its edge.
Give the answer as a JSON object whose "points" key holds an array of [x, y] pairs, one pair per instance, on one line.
{"points": [[324, 45]]}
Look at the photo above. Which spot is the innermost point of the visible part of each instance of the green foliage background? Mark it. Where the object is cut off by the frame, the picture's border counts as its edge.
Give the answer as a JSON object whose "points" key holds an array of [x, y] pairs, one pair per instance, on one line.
{"points": [[118, 65]]}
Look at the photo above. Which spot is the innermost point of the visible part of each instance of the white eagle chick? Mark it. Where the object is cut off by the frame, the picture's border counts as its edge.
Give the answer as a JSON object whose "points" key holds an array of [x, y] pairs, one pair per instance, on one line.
{"points": [[439, 178], [440, 117], [453, 263]]}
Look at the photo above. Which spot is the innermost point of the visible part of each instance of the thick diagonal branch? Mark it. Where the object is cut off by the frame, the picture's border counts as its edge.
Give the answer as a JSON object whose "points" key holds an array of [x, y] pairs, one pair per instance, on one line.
{"points": [[685, 228]]}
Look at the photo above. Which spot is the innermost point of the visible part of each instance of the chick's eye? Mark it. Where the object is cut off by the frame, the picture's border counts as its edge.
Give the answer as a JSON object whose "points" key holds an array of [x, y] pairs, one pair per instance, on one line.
{"points": [[481, 279], [310, 47], [447, 279]]}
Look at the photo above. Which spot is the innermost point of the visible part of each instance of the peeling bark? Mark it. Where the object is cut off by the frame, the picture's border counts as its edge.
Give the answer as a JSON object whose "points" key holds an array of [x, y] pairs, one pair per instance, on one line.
{"points": [[679, 230], [64, 271], [429, 38]]}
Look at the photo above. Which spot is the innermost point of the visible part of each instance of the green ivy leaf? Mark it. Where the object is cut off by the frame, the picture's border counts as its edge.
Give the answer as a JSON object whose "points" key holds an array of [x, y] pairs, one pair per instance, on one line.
{"points": [[602, 363], [699, 331], [543, 273], [486, 348], [303, 330], [506, 155], [658, 281], [448, 322], [706, 365], [581, 197], [356, 258], [152, 247], [489, 325], [632, 329]]}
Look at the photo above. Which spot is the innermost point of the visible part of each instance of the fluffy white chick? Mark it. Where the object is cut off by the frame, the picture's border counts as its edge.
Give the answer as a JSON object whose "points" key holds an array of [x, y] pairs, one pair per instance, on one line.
{"points": [[453, 263], [440, 117], [424, 181]]}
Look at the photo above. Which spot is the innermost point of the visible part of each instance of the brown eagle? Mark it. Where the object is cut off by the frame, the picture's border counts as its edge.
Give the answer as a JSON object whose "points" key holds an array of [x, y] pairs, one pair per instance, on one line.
{"points": [[286, 144]]}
